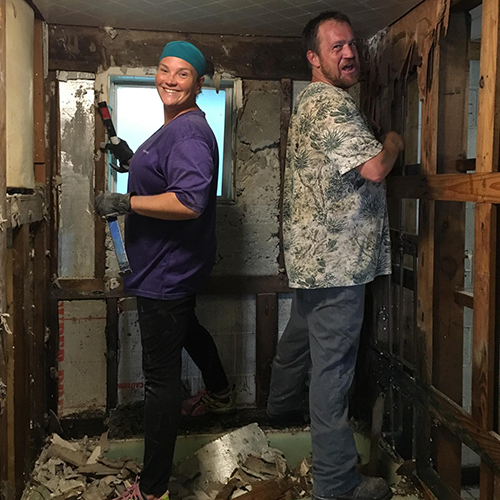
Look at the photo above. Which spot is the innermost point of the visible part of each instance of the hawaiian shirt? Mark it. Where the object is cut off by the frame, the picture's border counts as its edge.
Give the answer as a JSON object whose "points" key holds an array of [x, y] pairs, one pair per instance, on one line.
{"points": [[335, 224]]}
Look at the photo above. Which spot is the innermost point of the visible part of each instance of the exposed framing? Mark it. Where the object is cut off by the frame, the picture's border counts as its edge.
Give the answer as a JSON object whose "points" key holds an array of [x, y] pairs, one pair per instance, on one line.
{"points": [[436, 385]]}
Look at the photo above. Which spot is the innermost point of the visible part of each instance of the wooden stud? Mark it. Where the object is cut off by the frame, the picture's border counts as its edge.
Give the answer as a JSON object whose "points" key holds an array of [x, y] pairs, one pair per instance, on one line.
{"points": [[425, 270], [450, 239], [266, 339], [286, 105], [111, 353], [485, 243], [4, 448], [483, 361]]}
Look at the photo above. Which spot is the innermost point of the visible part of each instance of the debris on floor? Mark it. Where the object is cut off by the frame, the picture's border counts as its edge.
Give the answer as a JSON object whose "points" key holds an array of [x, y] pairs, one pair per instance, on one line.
{"points": [[239, 464]]}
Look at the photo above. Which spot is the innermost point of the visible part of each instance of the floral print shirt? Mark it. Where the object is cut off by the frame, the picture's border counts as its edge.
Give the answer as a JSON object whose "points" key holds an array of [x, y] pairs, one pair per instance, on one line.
{"points": [[336, 230]]}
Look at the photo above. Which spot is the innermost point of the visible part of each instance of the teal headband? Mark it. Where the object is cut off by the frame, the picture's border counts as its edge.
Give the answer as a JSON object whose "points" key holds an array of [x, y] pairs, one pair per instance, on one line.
{"points": [[188, 52]]}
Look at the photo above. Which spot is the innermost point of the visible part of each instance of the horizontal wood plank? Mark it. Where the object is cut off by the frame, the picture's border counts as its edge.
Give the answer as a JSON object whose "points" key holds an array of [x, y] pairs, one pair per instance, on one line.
{"points": [[478, 187], [443, 410]]}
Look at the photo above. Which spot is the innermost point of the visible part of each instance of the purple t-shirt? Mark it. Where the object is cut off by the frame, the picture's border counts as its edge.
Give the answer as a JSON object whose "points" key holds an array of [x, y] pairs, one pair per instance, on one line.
{"points": [[169, 259]]}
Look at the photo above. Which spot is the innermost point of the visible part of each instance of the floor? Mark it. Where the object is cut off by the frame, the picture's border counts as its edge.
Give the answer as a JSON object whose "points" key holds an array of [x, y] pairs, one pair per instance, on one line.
{"points": [[294, 444]]}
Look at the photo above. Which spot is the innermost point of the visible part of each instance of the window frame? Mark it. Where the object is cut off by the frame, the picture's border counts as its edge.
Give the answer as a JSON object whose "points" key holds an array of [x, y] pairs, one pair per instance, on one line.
{"points": [[226, 150]]}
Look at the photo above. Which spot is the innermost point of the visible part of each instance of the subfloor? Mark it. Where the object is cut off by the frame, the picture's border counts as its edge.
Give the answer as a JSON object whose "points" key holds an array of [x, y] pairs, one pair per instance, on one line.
{"points": [[295, 445]]}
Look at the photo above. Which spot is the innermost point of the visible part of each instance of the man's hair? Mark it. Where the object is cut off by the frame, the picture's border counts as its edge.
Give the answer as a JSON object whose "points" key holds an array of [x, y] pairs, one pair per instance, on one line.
{"points": [[310, 33]]}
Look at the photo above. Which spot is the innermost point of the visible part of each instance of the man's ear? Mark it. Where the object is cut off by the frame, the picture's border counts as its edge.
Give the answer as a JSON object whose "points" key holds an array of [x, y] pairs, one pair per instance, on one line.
{"points": [[313, 59]]}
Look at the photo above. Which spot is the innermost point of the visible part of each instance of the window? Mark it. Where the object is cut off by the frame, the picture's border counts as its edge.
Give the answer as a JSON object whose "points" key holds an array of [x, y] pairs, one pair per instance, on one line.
{"points": [[138, 113]]}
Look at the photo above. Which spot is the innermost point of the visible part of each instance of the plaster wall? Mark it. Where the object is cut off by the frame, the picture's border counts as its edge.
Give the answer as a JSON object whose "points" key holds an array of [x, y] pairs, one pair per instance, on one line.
{"points": [[19, 23]]}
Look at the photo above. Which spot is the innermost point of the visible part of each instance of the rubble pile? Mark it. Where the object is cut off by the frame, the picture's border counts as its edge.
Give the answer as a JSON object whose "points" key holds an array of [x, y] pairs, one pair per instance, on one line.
{"points": [[78, 470], [240, 465]]}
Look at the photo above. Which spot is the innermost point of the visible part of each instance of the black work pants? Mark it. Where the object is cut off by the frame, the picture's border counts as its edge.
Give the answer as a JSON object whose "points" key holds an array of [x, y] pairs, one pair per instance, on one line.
{"points": [[166, 327]]}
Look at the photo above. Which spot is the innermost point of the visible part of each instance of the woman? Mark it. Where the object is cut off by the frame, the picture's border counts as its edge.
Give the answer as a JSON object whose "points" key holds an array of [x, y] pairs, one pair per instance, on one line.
{"points": [[170, 241]]}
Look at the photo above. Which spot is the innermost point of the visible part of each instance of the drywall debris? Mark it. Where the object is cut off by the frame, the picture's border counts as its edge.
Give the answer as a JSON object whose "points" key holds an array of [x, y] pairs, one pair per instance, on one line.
{"points": [[111, 32], [77, 470]]}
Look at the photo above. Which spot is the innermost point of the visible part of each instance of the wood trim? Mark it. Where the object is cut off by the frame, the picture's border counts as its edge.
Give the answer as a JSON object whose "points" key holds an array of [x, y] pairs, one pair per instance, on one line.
{"points": [[478, 187], [266, 331]]}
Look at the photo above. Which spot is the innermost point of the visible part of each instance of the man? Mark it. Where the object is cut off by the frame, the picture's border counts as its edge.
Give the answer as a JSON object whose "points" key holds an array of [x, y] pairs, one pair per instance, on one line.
{"points": [[336, 239]]}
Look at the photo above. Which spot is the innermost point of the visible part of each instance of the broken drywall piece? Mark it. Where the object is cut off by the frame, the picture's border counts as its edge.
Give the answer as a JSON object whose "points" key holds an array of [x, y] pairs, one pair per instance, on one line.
{"points": [[56, 439], [73, 457]]}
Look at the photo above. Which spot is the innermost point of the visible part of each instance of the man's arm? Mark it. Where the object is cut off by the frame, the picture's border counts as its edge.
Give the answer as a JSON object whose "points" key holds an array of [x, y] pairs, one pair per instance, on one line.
{"points": [[162, 206], [378, 167]]}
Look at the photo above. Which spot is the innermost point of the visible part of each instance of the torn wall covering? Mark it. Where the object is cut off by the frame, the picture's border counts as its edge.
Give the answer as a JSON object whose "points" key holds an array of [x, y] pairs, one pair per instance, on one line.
{"points": [[19, 24], [247, 232], [394, 52]]}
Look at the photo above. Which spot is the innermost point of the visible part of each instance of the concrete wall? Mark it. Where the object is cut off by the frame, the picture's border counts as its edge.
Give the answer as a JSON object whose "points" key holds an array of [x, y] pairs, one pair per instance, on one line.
{"points": [[247, 232]]}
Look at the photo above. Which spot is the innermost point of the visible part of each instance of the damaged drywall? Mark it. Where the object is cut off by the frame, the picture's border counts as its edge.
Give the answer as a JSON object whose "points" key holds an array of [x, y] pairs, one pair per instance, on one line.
{"points": [[81, 357], [76, 221], [247, 231]]}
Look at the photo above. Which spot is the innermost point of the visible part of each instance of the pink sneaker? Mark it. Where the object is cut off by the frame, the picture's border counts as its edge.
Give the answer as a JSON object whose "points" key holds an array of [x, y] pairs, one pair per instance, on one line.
{"points": [[134, 493], [205, 402]]}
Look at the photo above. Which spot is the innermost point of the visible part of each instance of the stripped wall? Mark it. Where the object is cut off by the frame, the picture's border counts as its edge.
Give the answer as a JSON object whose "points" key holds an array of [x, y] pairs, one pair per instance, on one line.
{"points": [[247, 227]]}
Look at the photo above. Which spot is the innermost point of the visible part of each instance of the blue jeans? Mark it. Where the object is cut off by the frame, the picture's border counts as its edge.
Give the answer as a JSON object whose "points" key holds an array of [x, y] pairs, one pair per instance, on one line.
{"points": [[166, 327], [324, 327]]}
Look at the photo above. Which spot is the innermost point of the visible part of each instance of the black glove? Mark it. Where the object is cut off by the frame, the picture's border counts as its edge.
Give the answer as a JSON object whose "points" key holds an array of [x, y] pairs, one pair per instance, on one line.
{"points": [[122, 153], [113, 204]]}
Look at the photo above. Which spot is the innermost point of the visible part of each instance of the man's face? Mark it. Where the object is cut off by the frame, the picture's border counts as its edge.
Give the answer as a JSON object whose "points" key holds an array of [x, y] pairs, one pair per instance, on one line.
{"points": [[337, 60]]}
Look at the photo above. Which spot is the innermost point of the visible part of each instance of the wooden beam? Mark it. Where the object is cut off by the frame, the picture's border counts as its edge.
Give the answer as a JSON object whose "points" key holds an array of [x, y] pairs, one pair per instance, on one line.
{"points": [[40, 310], [450, 239], [425, 268], [25, 208], [21, 411], [286, 106], [478, 187], [434, 485], [443, 410], [266, 340], [484, 395], [268, 58], [4, 448], [111, 353], [464, 299], [483, 361], [463, 165]]}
